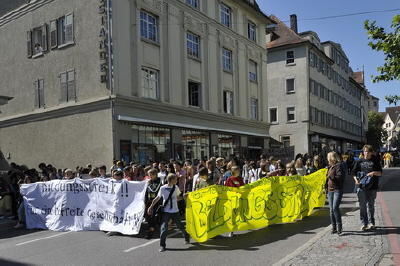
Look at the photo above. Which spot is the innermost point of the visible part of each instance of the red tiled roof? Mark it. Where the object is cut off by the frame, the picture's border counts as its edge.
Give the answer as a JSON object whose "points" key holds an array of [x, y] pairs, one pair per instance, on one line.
{"points": [[286, 35], [359, 77]]}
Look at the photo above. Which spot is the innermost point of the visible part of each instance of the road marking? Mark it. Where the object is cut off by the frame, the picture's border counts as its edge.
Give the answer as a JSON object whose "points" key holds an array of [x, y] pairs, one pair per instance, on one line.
{"points": [[149, 243], [43, 238], [394, 243]]}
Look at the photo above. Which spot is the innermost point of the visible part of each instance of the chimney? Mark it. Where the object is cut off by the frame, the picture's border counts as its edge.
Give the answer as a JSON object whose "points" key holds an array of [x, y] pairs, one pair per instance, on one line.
{"points": [[293, 22]]}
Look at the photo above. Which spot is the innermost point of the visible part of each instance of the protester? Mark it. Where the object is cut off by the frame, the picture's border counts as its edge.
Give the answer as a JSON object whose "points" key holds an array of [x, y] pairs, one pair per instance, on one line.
{"points": [[103, 171], [334, 186], [254, 172], [281, 171], [169, 193], [118, 175], [203, 179], [153, 186], [290, 169], [300, 169], [68, 174], [162, 174], [366, 173], [234, 181]]}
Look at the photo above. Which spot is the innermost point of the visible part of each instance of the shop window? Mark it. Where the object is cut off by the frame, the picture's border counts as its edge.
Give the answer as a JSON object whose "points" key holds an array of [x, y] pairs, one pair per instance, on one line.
{"points": [[196, 144]]}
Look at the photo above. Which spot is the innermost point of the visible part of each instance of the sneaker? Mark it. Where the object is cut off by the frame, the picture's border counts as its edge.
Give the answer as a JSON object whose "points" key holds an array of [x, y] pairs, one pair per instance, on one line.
{"points": [[339, 232], [19, 226], [370, 227], [364, 228], [162, 249]]}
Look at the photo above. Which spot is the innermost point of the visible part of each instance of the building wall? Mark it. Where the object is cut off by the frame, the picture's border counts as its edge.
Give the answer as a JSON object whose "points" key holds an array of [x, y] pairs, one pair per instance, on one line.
{"points": [[18, 72], [176, 68], [278, 72], [65, 141]]}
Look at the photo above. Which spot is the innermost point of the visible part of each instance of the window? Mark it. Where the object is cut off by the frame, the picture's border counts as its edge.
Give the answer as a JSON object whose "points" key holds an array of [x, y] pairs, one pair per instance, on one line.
{"points": [[37, 41], [311, 58], [285, 141], [39, 93], [193, 45], [273, 115], [290, 86], [150, 83], [194, 94], [227, 59], [225, 15], [254, 108], [228, 102], [289, 57], [65, 30], [252, 71], [68, 87], [193, 3], [148, 26], [291, 114], [251, 31]]}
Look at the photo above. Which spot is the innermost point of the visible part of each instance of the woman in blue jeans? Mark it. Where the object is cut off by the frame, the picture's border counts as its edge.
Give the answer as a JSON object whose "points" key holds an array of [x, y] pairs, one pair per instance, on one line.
{"points": [[334, 186]]}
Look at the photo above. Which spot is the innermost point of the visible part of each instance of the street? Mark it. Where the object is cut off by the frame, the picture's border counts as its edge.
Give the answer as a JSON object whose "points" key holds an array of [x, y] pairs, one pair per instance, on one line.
{"points": [[259, 247]]}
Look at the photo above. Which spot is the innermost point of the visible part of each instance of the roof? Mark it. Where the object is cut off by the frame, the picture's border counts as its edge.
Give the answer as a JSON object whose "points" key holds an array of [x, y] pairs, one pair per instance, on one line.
{"points": [[286, 35], [257, 8], [393, 112], [8, 5]]}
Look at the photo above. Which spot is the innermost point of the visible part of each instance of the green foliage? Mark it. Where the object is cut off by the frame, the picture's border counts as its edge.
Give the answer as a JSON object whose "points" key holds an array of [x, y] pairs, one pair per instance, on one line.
{"points": [[376, 136], [389, 44]]}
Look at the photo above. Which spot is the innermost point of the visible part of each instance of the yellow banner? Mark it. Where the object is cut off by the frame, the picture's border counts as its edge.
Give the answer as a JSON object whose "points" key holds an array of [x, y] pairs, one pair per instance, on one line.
{"points": [[215, 210]]}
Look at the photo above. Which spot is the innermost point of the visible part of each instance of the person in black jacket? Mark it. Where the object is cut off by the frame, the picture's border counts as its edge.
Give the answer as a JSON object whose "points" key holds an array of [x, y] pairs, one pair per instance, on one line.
{"points": [[364, 168]]}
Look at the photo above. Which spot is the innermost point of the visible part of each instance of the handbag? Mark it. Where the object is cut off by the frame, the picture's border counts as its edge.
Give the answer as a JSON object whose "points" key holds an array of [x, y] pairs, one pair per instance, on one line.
{"points": [[160, 208], [366, 181]]}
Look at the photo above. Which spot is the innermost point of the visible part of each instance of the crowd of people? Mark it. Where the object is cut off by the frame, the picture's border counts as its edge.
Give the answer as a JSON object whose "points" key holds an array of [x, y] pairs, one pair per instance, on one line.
{"points": [[171, 181]]}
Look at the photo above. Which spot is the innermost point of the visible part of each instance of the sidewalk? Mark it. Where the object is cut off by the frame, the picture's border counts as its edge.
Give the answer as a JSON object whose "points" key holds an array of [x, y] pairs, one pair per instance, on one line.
{"points": [[353, 247]]}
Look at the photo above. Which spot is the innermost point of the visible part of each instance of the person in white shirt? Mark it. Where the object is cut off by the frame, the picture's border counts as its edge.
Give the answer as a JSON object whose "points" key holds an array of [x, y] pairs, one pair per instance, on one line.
{"points": [[254, 172], [162, 174], [170, 209]]}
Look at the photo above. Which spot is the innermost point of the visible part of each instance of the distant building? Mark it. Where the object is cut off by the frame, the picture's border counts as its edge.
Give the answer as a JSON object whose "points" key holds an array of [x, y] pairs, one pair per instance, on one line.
{"points": [[136, 80], [372, 103], [314, 103], [391, 125]]}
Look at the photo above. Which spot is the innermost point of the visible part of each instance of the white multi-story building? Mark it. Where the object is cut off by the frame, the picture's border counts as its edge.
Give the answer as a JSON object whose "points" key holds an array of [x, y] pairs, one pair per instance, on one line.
{"points": [[138, 80], [314, 103]]}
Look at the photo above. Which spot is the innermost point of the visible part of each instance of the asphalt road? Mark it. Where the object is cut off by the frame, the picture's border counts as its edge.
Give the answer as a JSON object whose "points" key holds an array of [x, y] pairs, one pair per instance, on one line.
{"points": [[258, 247]]}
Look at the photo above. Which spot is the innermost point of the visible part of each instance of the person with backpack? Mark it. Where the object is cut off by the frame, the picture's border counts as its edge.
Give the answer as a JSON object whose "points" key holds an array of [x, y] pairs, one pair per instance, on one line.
{"points": [[334, 186], [169, 209], [366, 173]]}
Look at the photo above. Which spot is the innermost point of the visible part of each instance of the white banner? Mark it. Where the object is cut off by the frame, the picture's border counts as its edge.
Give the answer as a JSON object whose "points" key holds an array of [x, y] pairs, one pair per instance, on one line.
{"points": [[92, 204]]}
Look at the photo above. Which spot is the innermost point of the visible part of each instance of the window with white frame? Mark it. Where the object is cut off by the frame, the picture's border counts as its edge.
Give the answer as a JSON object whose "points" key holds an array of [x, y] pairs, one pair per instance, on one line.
{"points": [[225, 15], [252, 31], [290, 85], [291, 114], [273, 115], [254, 108], [65, 30], [227, 59], [228, 102], [148, 26], [289, 57], [68, 86], [194, 94], [39, 93], [150, 83], [193, 45], [252, 71], [193, 3]]}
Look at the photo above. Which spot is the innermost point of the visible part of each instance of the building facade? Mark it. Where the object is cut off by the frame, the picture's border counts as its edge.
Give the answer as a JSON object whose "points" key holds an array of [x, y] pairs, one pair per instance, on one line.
{"points": [[137, 80], [314, 103]]}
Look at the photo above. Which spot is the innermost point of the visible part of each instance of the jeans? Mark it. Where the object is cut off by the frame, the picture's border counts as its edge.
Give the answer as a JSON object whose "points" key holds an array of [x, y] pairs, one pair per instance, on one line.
{"points": [[366, 198], [164, 226], [335, 198]]}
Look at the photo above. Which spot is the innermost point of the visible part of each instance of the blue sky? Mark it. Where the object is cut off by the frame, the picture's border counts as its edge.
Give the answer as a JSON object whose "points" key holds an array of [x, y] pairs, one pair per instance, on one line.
{"points": [[348, 31]]}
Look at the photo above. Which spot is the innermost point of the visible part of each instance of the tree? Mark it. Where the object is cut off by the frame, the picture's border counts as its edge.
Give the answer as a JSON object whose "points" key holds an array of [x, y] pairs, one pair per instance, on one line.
{"points": [[389, 44], [376, 135]]}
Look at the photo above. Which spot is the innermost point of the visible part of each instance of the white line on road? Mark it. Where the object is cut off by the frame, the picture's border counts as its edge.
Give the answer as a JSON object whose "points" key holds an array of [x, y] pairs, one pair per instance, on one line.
{"points": [[38, 239], [148, 243]]}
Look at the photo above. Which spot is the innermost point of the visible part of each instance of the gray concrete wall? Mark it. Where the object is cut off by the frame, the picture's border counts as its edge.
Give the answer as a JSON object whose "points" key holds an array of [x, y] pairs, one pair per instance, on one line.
{"points": [[66, 141]]}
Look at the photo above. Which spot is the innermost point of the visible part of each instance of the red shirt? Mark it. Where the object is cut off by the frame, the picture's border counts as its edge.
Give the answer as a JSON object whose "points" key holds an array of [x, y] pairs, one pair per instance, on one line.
{"points": [[234, 181]]}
